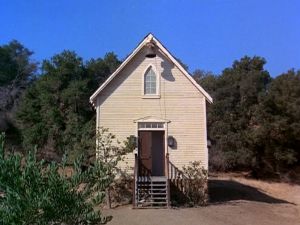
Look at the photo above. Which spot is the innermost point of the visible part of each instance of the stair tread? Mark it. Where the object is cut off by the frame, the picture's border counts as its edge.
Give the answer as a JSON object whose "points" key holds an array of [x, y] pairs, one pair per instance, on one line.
{"points": [[162, 202], [152, 198], [151, 192], [156, 186], [153, 181], [152, 207], [163, 193]]}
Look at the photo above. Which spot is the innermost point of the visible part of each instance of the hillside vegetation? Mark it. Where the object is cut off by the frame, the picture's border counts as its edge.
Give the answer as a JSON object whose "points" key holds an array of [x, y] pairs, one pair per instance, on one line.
{"points": [[253, 124]]}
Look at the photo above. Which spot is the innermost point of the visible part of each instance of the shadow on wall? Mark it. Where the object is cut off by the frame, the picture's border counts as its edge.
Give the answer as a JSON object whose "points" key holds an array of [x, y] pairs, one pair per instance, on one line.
{"points": [[167, 70], [223, 191]]}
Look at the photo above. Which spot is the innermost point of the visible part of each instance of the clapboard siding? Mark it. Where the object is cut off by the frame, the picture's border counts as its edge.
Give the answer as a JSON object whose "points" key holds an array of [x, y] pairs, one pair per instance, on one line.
{"points": [[121, 102]]}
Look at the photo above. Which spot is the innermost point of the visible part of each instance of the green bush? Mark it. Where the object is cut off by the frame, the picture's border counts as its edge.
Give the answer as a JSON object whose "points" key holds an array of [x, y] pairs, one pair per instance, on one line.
{"points": [[34, 193], [196, 183], [110, 152]]}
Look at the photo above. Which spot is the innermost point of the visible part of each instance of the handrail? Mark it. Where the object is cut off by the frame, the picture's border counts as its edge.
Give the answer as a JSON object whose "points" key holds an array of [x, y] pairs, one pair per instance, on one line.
{"points": [[135, 178], [143, 172], [167, 165], [168, 180], [175, 173], [176, 176]]}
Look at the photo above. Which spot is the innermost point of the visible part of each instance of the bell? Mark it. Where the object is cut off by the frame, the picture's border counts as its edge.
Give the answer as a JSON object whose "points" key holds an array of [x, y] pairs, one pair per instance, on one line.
{"points": [[150, 53]]}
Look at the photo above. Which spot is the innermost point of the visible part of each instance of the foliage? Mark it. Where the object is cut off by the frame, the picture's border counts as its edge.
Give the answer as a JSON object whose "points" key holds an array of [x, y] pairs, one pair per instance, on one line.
{"points": [[110, 153], [276, 134], [236, 95], [206, 79], [33, 193], [253, 123], [196, 190], [254, 120], [55, 113], [15, 63], [16, 72]]}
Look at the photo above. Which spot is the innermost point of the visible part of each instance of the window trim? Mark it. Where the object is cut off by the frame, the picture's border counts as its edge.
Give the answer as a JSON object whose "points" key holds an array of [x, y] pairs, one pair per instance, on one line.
{"points": [[151, 125], [156, 95]]}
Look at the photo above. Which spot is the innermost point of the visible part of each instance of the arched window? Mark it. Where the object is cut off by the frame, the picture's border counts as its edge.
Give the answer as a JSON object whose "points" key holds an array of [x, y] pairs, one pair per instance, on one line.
{"points": [[150, 82]]}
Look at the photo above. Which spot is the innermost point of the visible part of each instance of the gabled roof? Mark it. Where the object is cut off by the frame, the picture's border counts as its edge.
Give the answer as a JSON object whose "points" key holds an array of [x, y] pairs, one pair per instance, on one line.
{"points": [[146, 40]]}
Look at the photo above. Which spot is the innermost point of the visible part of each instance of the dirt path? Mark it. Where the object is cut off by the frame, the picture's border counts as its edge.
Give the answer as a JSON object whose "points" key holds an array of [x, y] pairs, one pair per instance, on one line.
{"points": [[234, 201]]}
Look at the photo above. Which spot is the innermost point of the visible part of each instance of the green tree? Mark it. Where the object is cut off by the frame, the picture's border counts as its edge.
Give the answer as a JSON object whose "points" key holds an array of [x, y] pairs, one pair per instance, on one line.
{"points": [[236, 94], [55, 113], [16, 72], [276, 130], [15, 63], [206, 79], [100, 68]]}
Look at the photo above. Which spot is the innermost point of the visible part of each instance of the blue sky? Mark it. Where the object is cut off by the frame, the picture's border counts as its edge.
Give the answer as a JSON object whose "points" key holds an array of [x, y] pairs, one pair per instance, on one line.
{"points": [[205, 34]]}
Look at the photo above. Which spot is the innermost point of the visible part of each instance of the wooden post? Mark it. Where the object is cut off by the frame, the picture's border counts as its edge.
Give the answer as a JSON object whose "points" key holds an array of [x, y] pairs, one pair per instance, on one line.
{"points": [[168, 181], [135, 169]]}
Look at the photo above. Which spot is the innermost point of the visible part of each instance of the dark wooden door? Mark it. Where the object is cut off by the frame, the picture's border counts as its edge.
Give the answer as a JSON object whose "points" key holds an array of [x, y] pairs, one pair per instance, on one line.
{"points": [[145, 139], [151, 152], [158, 153]]}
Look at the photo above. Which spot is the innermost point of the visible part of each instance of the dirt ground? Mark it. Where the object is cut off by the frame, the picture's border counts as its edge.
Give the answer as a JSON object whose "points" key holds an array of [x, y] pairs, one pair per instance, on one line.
{"points": [[233, 201]]}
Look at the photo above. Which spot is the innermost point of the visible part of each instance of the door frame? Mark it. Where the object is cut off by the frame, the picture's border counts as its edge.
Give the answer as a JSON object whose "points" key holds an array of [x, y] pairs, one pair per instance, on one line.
{"points": [[155, 155], [141, 125]]}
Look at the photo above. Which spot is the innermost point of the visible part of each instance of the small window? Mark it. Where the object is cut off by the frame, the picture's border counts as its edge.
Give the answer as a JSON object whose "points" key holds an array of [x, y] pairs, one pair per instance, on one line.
{"points": [[152, 125], [150, 82]]}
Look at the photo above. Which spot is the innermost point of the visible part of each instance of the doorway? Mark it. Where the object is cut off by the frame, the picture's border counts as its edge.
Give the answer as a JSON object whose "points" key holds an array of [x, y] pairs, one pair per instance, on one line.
{"points": [[152, 151]]}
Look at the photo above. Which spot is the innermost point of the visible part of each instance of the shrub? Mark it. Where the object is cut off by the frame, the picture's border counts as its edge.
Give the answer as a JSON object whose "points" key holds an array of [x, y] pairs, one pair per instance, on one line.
{"points": [[196, 183], [217, 160], [109, 153], [34, 193]]}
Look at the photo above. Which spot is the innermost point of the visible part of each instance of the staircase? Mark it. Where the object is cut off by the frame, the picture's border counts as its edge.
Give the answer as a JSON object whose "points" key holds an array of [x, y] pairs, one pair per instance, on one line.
{"points": [[151, 192], [154, 191]]}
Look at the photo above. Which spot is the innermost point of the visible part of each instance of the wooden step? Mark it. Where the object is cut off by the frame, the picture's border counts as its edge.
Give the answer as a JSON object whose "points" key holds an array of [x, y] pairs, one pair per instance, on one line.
{"points": [[160, 192], [153, 182], [159, 198], [158, 179], [152, 202], [158, 185], [152, 179], [151, 192]]}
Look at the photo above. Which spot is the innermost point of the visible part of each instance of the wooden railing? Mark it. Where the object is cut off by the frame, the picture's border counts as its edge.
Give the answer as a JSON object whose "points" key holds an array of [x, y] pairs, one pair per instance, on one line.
{"points": [[135, 178], [143, 173], [168, 181], [176, 176]]}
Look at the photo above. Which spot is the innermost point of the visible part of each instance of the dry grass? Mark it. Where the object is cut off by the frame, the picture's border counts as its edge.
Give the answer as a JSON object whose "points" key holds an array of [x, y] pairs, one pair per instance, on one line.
{"points": [[285, 191], [234, 200]]}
